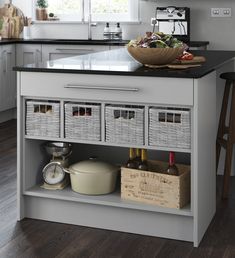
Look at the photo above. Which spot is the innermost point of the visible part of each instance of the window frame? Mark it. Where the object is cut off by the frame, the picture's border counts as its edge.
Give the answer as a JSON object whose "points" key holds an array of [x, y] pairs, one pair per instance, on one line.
{"points": [[133, 8], [85, 13]]}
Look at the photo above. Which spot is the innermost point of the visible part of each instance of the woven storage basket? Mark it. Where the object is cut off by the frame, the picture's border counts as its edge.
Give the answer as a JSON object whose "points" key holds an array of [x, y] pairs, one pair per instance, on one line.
{"points": [[83, 121], [43, 118], [169, 127], [124, 124]]}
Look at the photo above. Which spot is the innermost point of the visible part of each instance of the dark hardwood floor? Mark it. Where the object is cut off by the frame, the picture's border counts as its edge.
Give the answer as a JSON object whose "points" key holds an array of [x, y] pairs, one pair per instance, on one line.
{"points": [[34, 238]]}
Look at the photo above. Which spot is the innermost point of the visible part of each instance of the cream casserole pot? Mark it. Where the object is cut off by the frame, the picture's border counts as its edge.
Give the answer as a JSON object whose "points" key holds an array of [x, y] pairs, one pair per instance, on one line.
{"points": [[93, 177]]}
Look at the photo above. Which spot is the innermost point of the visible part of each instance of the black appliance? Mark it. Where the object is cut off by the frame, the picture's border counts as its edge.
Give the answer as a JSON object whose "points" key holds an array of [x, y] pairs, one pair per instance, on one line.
{"points": [[174, 20]]}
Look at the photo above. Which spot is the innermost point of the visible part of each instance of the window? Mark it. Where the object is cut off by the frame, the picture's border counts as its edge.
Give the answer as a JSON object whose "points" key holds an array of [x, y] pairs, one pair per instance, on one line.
{"points": [[66, 10], [115, 10], [101, 10]]}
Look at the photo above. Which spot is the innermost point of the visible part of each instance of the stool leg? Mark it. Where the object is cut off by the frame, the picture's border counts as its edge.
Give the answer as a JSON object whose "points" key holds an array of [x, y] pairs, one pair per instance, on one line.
{"points": [[222, 119], [229, 149]]}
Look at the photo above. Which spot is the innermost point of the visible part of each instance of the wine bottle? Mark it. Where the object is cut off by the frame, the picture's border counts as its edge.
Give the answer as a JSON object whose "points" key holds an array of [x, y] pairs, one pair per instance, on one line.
{"points": [[172, 168], [143, 164], [131, 161], [138, 157]]}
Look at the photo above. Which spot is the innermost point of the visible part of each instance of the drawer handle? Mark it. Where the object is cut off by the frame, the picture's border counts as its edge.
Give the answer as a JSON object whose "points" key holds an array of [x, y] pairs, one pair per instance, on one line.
{"points": [[74, 86], [75, 49], [4, 55]]}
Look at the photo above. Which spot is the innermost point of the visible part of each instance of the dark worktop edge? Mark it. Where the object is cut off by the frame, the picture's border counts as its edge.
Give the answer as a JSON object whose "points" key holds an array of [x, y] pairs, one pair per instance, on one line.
{"points": [[82, 42]]}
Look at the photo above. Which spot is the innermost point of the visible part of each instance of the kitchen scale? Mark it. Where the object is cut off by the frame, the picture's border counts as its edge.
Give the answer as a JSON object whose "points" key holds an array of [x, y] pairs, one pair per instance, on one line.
{"points": [[53, 173]]}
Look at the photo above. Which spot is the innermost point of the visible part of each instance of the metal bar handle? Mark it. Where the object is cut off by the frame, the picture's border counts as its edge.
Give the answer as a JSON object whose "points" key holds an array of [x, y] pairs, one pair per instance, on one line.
{"points": [[75, 49], [75, 86], [37, 56], [4, 55]]}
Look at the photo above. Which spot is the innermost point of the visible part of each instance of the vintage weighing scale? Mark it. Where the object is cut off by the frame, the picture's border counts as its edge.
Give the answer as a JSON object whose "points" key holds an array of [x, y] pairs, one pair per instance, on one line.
{"points": [[53, 173]]}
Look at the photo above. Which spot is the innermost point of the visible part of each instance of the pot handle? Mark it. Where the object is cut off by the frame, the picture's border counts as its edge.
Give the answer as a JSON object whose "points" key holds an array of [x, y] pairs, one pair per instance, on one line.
{"points": [[67, 171]]}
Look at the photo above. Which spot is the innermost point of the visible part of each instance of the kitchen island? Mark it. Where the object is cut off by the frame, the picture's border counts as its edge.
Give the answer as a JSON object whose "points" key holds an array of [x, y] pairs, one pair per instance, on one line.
{"points": [[114, 78]]}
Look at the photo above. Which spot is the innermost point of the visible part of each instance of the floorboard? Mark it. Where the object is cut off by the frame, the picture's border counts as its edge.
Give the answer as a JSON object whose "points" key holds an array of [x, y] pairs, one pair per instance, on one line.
{"points": [[42, 239]]}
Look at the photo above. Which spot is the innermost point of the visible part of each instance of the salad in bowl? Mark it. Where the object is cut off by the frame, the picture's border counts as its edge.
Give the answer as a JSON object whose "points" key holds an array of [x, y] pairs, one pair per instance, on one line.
{"points": [[156, 48]]}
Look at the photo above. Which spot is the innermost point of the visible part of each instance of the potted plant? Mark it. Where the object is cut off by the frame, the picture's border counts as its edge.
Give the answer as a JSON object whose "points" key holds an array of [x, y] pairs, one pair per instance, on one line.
{"points": [[41, 11]]}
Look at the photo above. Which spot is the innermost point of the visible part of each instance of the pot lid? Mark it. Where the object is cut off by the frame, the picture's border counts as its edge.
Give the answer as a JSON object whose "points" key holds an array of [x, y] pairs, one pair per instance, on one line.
{"points": [[92, 166]]}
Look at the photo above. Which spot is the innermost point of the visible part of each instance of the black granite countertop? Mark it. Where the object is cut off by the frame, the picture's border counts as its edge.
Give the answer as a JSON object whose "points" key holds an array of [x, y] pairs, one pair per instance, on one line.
{"points": [[64, 41], [83, 42], [119, 62]]}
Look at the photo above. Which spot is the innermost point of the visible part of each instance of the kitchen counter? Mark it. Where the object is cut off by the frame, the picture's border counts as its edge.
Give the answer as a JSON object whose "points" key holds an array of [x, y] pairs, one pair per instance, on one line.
{"points": [[114, 78], [65, 41], [84, 41], [119, 62]]}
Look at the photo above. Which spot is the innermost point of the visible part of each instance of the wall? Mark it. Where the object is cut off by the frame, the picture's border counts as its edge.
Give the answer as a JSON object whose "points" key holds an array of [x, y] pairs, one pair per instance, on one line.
{"points": [[219, 31]]}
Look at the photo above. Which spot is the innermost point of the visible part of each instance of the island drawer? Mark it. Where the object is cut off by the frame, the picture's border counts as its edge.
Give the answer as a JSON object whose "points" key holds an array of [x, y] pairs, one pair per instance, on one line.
{"points": [[135, 89]]}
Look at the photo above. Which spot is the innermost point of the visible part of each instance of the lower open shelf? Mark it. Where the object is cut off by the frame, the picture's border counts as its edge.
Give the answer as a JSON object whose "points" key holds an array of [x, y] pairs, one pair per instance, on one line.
{"points": [[112, 199]]}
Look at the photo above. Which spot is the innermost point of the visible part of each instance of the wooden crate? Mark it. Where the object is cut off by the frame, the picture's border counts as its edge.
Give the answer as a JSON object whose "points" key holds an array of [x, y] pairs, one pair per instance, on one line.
{"points": [[155, 187]]}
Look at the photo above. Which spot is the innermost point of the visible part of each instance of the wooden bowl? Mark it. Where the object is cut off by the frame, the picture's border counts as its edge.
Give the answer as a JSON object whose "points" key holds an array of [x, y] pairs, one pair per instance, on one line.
{"points": [[155, 56]]}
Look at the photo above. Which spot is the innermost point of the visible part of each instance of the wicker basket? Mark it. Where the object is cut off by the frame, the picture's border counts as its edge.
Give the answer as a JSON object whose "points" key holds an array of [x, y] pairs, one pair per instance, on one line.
{"points": [[83, 121], [124, 124], [43, 118], [169, 127], [155, 187]]}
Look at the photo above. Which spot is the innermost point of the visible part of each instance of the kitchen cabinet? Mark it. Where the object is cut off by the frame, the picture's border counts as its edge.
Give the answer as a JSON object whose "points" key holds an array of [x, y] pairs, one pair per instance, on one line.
{"points": [[52, 52], [121, 81], [28, 54], [110, 211], [7, 77], [96, 211]]}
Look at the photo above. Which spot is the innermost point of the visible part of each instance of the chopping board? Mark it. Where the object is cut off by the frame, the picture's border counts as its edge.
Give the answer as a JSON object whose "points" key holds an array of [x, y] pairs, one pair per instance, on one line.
{"points": [[182, 64], [195, 60]]}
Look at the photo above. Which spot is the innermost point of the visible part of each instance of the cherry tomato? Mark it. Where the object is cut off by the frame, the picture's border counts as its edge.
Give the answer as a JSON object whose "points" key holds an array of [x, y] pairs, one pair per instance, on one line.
{"points": [[186, 56]]}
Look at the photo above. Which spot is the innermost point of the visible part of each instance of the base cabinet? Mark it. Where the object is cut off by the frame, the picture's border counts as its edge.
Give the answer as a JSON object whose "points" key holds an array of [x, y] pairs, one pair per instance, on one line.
{"points": [[28, 54], [111, 211]]}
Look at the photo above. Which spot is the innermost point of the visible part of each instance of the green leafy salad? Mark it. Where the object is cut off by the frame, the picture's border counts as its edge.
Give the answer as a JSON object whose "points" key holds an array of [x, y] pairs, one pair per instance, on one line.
{"points": [[157, 40]]}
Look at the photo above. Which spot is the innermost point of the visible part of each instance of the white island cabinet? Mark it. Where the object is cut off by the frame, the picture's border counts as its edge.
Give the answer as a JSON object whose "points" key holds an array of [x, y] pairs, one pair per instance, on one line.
{"points": [[116, 86]]}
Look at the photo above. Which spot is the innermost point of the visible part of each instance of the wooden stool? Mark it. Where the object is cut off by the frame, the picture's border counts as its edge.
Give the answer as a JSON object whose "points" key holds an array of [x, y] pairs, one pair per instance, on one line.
{"points": [[226, 130]]}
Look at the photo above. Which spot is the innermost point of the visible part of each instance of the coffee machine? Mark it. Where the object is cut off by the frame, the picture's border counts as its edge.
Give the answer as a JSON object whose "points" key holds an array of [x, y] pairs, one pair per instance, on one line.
{"points": [[174, 20]]}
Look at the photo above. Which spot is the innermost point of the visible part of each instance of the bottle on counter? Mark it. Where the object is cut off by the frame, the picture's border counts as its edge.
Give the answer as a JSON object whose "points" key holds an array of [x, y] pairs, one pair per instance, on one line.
{"points": [[172, 168], [144, 163], [106, 33], [131, 161], [118, 32]]}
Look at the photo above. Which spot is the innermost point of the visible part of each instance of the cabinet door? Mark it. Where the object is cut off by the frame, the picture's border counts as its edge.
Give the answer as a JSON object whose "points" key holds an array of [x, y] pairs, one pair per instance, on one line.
{"points": [[8, 78], [52, 52], [28, 54]]}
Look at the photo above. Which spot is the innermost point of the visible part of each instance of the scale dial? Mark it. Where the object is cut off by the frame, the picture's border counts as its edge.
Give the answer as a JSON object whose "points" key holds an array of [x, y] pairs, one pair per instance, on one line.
{"points": [[53, 173]]}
